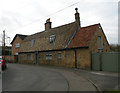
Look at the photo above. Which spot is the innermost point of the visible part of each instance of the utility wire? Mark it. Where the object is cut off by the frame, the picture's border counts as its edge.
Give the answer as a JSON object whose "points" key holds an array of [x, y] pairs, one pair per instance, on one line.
{"points": [[62, 9], [47, 15]]}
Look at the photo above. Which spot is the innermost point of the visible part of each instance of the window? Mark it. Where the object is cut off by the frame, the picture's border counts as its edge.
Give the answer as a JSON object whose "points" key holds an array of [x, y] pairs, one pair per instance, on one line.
{"points": [[28, 56], [17, 45], [16, 53], [59, 56], [32, 42], [99, 42], [52, 38], [48, 56]]}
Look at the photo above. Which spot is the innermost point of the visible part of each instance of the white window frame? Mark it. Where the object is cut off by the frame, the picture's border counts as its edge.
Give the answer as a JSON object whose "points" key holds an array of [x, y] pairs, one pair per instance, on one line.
{"points": [[99, 42], [59, 55], [17, 45], [48, 57], [32, 43], [52, 39]]}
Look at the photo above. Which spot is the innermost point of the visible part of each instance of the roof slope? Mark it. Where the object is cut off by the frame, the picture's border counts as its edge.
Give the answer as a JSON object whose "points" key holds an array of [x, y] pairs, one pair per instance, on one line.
{"points": [[62, 36], [83, 37], [22, 37]]}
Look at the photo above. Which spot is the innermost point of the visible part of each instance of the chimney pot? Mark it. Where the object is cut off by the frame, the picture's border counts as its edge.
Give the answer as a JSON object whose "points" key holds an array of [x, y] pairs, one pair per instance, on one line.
{"points": [[76, 10], [77, 17], [48, 20], [48, 24]]}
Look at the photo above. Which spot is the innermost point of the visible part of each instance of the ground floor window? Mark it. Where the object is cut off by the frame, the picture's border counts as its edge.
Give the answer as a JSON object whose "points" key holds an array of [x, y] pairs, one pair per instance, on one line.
{"points": [[59, 56], [48, 56]]}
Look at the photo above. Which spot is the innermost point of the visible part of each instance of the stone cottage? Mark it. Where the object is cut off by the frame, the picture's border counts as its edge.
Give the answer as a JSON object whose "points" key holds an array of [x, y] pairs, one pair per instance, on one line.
{"points": [[69, 45]]}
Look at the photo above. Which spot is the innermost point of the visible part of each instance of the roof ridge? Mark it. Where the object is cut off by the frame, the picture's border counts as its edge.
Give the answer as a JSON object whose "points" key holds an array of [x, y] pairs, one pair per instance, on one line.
{"points": [[21, 34], [52, 28], [91, 25]]}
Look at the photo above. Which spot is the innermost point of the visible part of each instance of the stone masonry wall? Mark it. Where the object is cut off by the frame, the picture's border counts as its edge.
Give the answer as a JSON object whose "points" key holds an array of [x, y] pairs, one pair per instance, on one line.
{"points": [[67, 58], [94, 43], [14, 49]]}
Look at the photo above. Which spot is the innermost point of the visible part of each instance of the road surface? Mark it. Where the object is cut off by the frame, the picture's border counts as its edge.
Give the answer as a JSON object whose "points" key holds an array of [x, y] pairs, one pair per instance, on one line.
{"points": [[104, 80], [19, 77]]}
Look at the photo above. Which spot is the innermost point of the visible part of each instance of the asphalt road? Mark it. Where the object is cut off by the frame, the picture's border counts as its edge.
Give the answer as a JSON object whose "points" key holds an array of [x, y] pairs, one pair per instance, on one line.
{"points": [[20, 77], [104, 80], [32, 78]]}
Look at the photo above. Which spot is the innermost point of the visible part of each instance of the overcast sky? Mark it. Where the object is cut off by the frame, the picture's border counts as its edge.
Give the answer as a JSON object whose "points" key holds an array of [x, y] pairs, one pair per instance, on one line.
{"points": [[28, 16]]}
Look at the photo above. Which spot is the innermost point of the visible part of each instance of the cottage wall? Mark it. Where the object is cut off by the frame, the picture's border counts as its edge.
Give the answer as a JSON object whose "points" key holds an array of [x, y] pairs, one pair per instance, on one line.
{"points": [[14, 49], [83, 58], [94, 42], [67, 58]]}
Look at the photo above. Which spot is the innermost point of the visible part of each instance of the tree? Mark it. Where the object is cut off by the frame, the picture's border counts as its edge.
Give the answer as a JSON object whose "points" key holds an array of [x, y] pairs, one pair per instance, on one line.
{"points": [[115, 47]]}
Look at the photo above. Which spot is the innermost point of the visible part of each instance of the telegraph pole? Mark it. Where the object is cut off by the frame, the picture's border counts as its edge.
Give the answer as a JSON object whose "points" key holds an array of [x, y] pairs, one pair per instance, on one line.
{"points": [[3, 38], [3, 43]]}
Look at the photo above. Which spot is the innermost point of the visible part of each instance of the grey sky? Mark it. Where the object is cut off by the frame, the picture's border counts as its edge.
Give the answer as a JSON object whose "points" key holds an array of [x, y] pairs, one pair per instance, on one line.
{"points": [[28, 16]]}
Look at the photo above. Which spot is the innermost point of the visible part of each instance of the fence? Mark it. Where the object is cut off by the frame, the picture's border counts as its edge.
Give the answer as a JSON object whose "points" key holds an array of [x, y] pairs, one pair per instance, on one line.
{"points": [[106, 61]]}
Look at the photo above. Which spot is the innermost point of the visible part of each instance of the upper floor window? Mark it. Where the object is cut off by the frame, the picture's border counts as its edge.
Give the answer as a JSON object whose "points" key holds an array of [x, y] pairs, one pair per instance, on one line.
{"points": [[52, 38], [32, 43], [17, 45], [99, 42]]}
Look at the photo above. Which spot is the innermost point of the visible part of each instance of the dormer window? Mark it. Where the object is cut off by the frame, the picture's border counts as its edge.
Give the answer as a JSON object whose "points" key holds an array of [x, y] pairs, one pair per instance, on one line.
{"points": [[32, 43], [52, 38]]}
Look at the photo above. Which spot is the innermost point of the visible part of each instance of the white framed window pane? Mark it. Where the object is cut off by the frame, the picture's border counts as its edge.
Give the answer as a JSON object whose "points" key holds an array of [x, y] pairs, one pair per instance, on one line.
{"points": [[52, 38], [59, 56], [99, 42], [32, 42], [48, 56], [17, 45]]}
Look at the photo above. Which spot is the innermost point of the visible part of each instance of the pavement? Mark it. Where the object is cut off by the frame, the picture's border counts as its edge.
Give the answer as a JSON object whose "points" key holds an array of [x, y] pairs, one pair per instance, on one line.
{"points": [[103, 80], [19, 77], [76, 82]]}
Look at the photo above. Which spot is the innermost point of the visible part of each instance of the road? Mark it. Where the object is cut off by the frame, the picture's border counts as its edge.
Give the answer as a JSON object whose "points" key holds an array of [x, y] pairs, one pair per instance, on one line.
{"points": [[19, 77], [104, 80]]}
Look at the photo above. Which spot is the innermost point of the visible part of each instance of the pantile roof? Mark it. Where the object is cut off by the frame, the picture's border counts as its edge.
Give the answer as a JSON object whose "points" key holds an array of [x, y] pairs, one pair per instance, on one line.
{"points": [[83, 37]]}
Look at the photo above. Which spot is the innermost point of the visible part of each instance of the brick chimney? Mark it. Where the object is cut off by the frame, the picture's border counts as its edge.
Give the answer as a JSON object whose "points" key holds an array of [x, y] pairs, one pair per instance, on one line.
{"points": [[48, 24], [77, 18]]}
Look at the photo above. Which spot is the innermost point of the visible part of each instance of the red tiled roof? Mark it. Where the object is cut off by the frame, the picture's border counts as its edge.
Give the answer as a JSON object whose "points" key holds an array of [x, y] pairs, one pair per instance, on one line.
{"points": [[83, 37]]}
